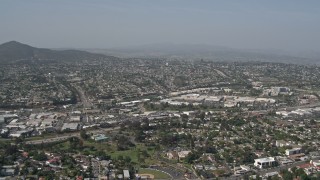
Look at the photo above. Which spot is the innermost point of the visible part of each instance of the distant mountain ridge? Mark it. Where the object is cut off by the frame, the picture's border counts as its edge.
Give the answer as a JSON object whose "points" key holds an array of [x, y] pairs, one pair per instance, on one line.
{"points": [[14, 51], [207, 52]]}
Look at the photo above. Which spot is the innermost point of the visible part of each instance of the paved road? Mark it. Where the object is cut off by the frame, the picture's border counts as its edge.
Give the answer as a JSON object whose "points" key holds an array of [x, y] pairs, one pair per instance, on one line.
{"points": [[83, 98], [67, 136], [301, 106], [175, 170], [279, 168], [168, 171], [221, 73]]}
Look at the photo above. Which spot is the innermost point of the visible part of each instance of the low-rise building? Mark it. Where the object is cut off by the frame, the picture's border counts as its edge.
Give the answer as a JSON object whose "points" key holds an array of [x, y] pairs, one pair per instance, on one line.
{"points": [[183, 154], [282, 143], [70, 127], [172, 155], [8, 171], [264, 162], [99, 137], [126, 174], [293, 151]]}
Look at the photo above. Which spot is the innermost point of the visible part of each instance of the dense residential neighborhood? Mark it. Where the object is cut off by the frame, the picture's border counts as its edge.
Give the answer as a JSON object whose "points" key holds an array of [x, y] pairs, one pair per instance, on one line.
{"points": [[159, 119], [159, 90]]}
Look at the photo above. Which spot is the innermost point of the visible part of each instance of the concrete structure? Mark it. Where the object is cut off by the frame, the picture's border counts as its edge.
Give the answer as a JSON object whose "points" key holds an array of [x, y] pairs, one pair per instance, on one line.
{"points": [[284, 160], [293, 151], [99, 137], [183, 154], [282, 143], [7, 171], [264, 162], [70, 127], [1, 119], [21, 133], [126, 174], [172, 155], [75, 118]]}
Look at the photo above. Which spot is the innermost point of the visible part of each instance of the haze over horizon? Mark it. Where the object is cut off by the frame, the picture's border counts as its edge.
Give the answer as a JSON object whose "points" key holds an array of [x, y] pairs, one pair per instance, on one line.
{"points": [[289, 25]]}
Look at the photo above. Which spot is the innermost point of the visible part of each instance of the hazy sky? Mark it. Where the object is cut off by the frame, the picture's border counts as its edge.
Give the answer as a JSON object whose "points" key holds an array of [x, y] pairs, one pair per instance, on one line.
{"points": [[271, 24]]}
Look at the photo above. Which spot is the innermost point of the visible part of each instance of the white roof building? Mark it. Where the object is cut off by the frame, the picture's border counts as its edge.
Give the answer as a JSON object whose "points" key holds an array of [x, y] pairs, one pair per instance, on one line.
{"points": [[264, 162], [183, 154], [75, 118], [70, 126], [1, 119], [126, 174]]}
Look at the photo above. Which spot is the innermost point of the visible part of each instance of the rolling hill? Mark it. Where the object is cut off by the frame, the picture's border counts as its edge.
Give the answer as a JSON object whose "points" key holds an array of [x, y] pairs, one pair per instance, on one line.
{"points": [[13, 51]]}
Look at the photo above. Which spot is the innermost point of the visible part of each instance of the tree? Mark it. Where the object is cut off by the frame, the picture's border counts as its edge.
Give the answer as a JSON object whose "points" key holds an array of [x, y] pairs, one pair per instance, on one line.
{"points": [[211, 149], [127, 159], [293, 169], [11, 149], [47, 174], [40, 156], [139, 136], [120, 158], [144, 153], [192, 156], [300, 173], [102, 155], [191, 140], [84, 134], [248, 157], [18, 140], [75, 143], [202, 115], [286, 175], [123, 143]]}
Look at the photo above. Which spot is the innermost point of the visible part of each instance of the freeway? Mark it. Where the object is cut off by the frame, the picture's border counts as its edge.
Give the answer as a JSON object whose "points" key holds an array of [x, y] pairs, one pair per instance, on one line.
{"points": [[67, 136], [221, 73], [83, 98], [302, 106]]}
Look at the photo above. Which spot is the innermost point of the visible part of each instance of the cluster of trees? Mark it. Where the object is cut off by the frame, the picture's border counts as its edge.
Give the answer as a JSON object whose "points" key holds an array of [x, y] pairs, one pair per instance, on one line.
{"points": [[191, 157], [84, 135], [75, 143], [169, 139], [102, 155], [8, 153], [297, 173], [123, 143], [39, 156]]}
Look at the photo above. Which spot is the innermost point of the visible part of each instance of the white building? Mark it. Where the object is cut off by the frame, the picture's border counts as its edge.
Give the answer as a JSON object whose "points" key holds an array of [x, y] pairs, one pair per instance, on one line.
{"points": [[126, 174], [293, 151], [264, 162], [241, 170], [70, 126], [183, 154], [75, 118], [281, 143], [1, 119]]}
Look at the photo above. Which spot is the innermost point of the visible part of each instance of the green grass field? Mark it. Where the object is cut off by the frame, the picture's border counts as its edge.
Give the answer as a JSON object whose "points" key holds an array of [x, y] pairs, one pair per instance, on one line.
{"points": [[140, 154], [132, 153]]}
